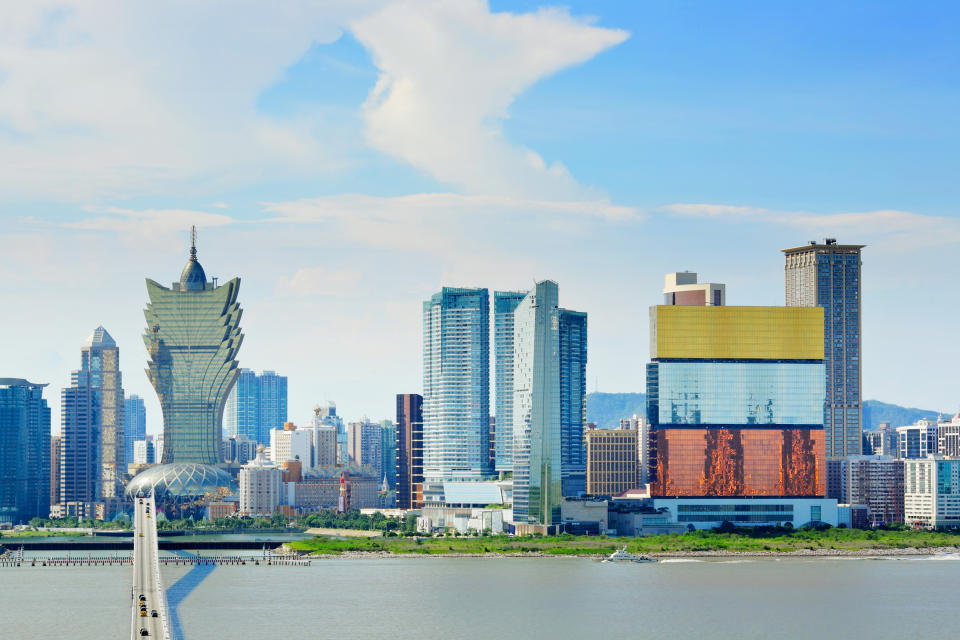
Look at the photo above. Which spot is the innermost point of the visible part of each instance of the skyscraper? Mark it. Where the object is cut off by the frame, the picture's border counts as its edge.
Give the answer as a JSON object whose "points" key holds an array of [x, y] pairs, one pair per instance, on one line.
{"points": [[456, 385], [100, 359], [256, 405], [828, 275], [24, 451], [193, 335], [573, 401], [504, 304], [409, 450], [537, 487], [134, 424], [735, 399], [79, 444]]}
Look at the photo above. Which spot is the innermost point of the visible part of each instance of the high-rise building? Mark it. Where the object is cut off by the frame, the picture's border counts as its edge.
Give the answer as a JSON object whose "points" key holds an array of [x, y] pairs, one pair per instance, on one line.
{"points": [[100, 360], [931, 495], [79, 441], [504, 304], [388, 453], [877, 482], [193, 335], [260, 486], [537, 486], [290, 443], [365, 445], [456, 385], [917, 440], [549, 405], [735, 403], [573, 401], [642, 426], [323, 437], [613, 464], [134, 424], [682, 288], [24, 451], [256, 405], [55, 470], [828, 276], [409, 450]]}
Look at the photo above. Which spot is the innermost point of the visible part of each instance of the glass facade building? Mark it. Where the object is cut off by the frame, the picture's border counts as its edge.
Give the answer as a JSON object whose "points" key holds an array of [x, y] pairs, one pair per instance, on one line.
{"points": [[134, 424], [732, 392], [24, 451], [504, 304], [409, 450], [192, 337], [79, 440], [573, 401], [734, 399], [456, 385], [728, 462], [256, 405], [828, 276], [537, 485]]}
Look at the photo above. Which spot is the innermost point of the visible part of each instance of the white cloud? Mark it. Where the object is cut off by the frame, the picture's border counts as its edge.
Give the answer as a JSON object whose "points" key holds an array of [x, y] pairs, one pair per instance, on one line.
{"points": [[320, 281], [103, 97], [903, 230], [448, 73], [156, 226]]}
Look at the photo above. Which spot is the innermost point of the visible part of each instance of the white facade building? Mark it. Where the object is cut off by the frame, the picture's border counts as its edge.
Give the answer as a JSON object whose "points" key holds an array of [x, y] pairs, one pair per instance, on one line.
{"points": [[289, 444], [707, 513], [931, 491], [260, 487]]}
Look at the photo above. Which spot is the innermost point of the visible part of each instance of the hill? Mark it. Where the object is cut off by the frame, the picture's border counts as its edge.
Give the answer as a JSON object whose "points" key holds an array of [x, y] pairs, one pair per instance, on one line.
{"points": [[606, 409], [875, 412]]}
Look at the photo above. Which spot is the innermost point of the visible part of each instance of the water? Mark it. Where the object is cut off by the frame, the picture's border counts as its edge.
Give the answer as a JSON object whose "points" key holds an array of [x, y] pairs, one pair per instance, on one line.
{"points": [[510, 597]]}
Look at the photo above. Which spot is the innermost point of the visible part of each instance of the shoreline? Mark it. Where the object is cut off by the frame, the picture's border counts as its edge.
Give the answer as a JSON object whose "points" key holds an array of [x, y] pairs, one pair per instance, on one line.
{"points": [[800, 553]]}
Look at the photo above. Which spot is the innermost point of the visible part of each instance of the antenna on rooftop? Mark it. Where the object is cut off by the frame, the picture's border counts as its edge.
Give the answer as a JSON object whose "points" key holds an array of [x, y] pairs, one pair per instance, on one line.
{"points": [[193, 242]]}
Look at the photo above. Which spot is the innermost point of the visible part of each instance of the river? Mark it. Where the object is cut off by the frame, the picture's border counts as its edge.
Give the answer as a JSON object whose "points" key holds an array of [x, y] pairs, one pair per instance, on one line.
{"points": [[486, 598]]}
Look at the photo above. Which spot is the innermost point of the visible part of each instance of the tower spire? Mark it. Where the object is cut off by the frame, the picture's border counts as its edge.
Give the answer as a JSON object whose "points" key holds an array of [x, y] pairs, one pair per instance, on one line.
{"points": [[193, 243]]}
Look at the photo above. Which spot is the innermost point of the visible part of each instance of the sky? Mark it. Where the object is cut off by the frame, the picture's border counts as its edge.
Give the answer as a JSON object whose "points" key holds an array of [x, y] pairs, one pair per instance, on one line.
{"points": [[348, 159]]}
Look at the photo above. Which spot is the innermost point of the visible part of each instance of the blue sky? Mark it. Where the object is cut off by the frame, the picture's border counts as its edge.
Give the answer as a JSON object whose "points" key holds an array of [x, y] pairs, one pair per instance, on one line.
{"points": [[347, 159]]}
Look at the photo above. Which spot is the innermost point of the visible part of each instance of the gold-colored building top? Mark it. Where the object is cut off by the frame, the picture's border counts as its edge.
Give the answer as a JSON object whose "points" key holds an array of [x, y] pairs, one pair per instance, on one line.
{"points": [[743, 333]]}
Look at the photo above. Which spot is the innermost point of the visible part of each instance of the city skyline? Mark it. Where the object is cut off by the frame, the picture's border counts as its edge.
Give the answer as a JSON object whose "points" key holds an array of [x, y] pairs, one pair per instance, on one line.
{"points": [[331, 183]]}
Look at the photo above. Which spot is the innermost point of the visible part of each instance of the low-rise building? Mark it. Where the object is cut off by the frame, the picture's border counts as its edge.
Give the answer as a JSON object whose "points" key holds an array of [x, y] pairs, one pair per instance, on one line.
{"points": [[948, 436], [320, 488], [932, 491], [713, 512]]}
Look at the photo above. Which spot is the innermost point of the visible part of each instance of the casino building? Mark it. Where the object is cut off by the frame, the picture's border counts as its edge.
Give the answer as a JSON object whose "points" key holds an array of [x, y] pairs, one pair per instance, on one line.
{"points": [[735, 403]]}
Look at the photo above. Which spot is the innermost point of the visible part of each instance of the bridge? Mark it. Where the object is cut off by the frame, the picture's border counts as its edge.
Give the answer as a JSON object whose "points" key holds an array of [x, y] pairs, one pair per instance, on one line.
{"points": [[149, 617]]}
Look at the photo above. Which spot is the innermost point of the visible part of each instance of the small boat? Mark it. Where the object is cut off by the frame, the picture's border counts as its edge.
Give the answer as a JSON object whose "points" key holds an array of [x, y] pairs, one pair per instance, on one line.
{"points": [[622, 555]]}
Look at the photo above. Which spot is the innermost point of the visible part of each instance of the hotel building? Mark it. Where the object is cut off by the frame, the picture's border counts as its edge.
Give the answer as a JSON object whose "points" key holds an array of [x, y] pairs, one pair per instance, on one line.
{"points": [[735, 400]]}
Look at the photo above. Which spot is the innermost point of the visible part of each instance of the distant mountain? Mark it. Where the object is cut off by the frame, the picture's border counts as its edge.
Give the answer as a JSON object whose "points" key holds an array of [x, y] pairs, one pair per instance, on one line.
{"points": [[875, 412], [606, 409]]}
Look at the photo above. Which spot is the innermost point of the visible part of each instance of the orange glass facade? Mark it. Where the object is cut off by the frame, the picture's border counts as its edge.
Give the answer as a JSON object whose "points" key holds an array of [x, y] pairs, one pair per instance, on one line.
{"points": [[784, 462]]}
